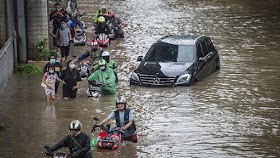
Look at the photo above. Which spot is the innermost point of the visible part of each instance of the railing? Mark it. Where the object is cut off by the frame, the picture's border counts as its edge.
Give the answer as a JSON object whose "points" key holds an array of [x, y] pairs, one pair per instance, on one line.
{"points": [[8, 58]]}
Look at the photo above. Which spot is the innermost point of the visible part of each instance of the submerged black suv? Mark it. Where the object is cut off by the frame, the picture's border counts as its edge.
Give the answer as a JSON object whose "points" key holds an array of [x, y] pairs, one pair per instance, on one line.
{"points": [[177, 60]]}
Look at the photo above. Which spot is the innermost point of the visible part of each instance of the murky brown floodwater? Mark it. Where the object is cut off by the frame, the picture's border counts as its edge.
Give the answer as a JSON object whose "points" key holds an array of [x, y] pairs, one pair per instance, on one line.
{"points": [[232, 113]]}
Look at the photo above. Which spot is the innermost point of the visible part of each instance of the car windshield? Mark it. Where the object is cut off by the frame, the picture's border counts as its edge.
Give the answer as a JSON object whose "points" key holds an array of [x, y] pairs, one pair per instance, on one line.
{"points": [[165, 52]]}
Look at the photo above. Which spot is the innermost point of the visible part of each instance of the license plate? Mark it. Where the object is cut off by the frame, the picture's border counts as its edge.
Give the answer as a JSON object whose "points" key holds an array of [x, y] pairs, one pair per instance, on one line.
{"points": [[94, 88]]}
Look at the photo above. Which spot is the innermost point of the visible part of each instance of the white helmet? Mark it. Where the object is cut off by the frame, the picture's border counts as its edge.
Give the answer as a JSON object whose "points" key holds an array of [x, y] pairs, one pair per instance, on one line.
{"points": [[75, 125], [120, 100], [105, 53]]}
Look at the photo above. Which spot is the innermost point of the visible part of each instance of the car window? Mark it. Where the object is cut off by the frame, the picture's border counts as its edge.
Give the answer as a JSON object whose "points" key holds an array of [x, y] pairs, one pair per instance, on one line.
{"points": [[204, 48], [165, 52], [209, 45], [162, 52], [199, 51], [186, 53]]}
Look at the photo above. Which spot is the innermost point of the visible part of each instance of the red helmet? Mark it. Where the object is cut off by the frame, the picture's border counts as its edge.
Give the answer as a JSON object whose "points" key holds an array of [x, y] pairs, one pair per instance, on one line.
{"points": [[111, 15]]}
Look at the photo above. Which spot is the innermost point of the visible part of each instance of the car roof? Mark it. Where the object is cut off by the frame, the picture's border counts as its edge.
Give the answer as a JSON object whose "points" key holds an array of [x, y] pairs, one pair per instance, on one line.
{"points": [[180, 39]]}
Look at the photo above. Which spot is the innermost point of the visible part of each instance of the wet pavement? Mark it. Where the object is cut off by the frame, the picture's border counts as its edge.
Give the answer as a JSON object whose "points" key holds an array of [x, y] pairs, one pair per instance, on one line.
{"points": [[232, 113]]}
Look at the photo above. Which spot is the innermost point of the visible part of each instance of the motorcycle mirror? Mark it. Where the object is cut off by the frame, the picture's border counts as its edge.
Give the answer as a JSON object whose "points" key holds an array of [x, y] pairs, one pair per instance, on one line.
{"points": [[95, 118]]}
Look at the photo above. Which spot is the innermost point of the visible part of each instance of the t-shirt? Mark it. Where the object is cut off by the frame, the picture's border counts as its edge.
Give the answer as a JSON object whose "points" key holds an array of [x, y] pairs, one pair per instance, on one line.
{"points": [[121, 115], [51, 78], [71, 78]]}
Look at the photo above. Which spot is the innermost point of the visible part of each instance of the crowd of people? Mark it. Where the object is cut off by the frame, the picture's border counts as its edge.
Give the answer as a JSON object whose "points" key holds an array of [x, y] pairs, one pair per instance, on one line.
{"points": [[64, 23], [104, 70]]}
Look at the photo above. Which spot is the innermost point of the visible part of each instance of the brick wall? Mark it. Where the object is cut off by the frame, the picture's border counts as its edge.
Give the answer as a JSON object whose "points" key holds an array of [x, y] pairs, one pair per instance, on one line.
{"points": [[3, 25], [37, 23]]}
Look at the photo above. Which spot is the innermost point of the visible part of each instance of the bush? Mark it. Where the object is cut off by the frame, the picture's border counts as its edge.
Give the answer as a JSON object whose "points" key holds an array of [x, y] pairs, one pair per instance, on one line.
{"points": [[29, 69], [43, 51]]}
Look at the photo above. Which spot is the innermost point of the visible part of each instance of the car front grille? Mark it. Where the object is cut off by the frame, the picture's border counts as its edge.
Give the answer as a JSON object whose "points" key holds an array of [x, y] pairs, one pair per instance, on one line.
{"points": [[156, 81]]}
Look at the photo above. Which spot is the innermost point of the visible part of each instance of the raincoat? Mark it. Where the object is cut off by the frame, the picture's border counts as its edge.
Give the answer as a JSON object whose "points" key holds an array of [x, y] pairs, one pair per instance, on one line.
{"points": [[111, 64], [107, 78]]}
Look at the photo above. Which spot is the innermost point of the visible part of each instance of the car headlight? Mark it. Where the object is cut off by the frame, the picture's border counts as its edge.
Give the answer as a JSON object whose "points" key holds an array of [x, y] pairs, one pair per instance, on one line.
{"points": [[184, 79], [135, 77]]}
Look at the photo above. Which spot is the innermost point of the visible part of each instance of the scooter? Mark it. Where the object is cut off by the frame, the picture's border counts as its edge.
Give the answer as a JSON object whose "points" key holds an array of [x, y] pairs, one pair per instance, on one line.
{"points": [[80, 38], [109, 137], [94, 89], [58, 154], [84, 69]]}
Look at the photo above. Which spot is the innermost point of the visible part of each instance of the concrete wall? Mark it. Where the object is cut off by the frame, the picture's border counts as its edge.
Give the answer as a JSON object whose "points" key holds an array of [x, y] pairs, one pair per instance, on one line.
{"points": [[37, 23], [3, 23]]}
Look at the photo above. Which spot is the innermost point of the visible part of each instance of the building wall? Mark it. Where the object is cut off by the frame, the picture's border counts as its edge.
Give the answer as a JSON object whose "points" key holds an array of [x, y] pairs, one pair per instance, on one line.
{"points": [[3, 23], [37, 23]]}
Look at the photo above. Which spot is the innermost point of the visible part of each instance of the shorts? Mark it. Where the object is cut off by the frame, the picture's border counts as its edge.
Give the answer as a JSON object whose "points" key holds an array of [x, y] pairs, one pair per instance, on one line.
{"points": [[64, 50]]}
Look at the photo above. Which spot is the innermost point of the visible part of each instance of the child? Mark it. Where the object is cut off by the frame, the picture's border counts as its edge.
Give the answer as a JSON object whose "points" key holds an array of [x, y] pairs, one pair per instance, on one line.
{"points": [[49, 80]]}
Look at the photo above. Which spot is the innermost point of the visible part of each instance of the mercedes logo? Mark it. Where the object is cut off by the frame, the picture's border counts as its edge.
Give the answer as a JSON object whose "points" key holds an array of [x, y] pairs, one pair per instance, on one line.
{"points": [[156, 80]]}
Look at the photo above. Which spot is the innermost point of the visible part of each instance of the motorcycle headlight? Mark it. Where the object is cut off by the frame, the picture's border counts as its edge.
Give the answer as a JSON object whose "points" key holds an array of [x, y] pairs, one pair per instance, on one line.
{"points": [[135, 77], [184, 79]]}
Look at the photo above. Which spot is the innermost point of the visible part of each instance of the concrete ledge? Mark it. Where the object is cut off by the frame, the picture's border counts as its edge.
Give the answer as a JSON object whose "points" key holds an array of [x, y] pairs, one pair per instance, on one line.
{"points": [[40, 64]]}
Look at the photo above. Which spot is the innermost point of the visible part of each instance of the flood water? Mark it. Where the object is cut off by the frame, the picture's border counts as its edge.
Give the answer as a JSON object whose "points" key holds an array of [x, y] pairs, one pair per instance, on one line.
{"points": [[233, 113]]}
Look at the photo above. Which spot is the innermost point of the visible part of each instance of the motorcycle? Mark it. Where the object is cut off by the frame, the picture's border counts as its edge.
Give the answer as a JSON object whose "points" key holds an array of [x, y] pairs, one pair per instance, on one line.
{"points": [[109, 137], [94, 89], [84, 69], [103, 40], [117, 31], [58, 154], [80, 38]]}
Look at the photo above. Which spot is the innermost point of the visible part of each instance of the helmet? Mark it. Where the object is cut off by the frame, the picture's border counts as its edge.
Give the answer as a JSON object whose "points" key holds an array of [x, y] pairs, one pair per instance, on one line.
{"points": [[74, 15], [101, 19], [120, 100], [103, 7], [105, 53], [111, 15], [101, 62], [75, 125]]}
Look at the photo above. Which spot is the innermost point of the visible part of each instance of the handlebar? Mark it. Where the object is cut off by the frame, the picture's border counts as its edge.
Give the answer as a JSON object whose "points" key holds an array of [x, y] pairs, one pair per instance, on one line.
{"points": [[47, 152]]}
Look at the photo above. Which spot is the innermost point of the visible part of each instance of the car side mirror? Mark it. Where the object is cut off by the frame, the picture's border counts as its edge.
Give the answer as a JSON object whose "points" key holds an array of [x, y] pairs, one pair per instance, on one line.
{"points": [[201, 59], [140, 58]]}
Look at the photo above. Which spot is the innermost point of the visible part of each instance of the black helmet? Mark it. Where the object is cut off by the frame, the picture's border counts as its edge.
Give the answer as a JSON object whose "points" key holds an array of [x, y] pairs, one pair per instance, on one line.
{"points": [[120, 100], [75, 125]]}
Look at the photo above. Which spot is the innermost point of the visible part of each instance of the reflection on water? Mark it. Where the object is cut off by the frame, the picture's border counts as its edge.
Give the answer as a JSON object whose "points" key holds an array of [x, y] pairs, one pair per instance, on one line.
{"points": [[232, 113]]}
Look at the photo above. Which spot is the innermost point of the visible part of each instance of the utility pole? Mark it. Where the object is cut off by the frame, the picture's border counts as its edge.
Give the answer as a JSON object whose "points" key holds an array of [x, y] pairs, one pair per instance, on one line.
{"points": [[21, 31]]}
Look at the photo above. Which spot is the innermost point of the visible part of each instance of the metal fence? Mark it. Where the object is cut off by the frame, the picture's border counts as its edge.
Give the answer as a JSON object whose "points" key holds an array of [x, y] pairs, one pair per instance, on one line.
{"points": [[8, 58]]}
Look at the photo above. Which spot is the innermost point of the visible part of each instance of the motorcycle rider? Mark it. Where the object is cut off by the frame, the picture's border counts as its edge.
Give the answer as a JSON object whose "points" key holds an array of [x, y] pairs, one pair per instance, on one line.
{"points": [[76, 21], [95, 53], [106, 77], [109, 63], [124, 119], [77, 141], [103, 12], [102, 27], [117, 24]]}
